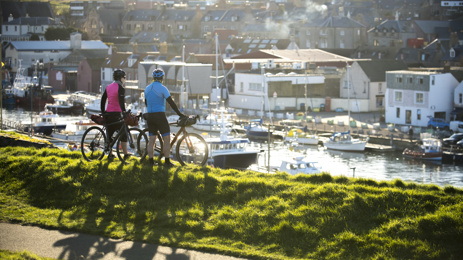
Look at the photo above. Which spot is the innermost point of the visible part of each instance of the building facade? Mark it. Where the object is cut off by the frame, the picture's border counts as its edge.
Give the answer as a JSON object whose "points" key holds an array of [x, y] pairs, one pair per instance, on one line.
{"points": [[414, 96]]}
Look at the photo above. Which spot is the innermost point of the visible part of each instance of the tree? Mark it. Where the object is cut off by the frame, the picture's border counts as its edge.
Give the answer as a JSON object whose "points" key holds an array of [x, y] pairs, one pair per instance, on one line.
{"points": [[34, 37], [57, 33]]}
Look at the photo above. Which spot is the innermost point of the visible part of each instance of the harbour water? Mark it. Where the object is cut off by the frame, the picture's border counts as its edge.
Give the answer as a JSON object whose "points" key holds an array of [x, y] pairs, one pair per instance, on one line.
{"points": [[370, 165]]}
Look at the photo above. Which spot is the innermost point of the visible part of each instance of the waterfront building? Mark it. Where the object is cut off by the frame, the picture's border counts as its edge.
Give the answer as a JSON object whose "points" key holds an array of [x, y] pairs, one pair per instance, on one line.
{"points": [[414, 96]]}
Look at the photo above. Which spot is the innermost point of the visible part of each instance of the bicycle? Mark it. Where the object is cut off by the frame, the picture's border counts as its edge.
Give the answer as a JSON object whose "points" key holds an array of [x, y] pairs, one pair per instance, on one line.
{"points": [[95, 145], [190, 147]]}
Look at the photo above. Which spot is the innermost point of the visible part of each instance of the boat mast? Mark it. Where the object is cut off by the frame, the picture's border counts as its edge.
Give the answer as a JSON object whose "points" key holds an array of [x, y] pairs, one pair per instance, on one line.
{"points": [[217, 68], [348, 96]]}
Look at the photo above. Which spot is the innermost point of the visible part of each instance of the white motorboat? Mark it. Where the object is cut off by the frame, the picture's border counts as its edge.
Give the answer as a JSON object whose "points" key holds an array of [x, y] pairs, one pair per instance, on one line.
{"points": [[231, 152], [430, 149], [74, 130], [67, 107], [301, 137], [212, 123], [46, 123], [93, 107], [298, 165]]}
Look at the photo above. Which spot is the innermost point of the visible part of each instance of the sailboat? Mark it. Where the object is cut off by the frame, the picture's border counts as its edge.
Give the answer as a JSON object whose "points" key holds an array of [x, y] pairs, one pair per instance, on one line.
{"points": [[343, 141]]}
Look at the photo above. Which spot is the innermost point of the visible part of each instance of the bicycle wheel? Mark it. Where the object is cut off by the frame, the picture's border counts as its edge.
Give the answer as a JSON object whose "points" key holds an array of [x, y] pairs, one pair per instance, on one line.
{"points": [[192, 148], [158, 145], [93, 144], [137, 144]]}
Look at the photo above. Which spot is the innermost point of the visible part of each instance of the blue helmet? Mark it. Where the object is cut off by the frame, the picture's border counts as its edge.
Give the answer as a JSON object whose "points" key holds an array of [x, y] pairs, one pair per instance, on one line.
{"points": [[158, 73]]}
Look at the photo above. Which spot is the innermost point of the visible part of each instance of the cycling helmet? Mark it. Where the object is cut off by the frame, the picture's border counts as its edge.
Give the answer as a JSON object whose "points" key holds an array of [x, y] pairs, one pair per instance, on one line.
{"points": [[158, 73], [118, 74]]}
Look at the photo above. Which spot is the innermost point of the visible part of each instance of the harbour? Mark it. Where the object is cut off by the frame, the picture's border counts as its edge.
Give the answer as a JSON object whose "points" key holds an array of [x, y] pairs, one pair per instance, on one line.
{"points": [[381, 160]]}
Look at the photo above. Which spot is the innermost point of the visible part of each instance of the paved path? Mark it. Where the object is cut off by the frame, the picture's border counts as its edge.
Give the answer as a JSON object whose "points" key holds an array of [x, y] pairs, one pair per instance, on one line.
{"points": [[69, 245]]}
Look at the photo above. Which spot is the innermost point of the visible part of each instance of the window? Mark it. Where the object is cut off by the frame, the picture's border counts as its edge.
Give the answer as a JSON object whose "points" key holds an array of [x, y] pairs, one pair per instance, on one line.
{"points": [[432, 80], [307, 32], [379, 101], [410, 80], [358, 32], [255, 86], [341, 32], [307, 44], [341, 44], [241, 87], [421, 81], [323, 32], [460, 98], [419, 98], [129, 27], [375, 43], [418, 114], [398, 96], [6, 28], [399, 79], [398, 112], [380, 87]]}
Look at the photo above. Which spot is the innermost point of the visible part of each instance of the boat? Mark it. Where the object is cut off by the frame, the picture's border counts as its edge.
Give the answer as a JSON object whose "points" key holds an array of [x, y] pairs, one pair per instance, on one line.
{"points": [[301, 137], [8, 97], [27, 91], [430, 149], [45, 123], [74, 130], [298, 165], [66, 107], [231, 152], [93, 107], [344, 141], [255, 130], [211, 123]]}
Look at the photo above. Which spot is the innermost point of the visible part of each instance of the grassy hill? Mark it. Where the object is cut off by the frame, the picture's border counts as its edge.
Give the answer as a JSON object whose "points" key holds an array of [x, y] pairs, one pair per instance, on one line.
{"points": [[239, 213]]}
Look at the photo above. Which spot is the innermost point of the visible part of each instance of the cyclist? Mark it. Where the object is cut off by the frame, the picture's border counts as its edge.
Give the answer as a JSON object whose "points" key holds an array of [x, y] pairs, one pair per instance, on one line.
{"points": [[114, 94], [156, 95]]}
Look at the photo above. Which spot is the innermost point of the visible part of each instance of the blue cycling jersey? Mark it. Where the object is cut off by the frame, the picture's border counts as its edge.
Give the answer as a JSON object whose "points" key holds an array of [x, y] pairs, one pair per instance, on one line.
{"points": [[156, 95]]}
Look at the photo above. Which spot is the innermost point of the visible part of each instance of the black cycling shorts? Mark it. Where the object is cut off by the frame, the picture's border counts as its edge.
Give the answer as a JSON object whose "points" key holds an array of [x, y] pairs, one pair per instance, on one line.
{"points": [[158, 122], [111, 117]]}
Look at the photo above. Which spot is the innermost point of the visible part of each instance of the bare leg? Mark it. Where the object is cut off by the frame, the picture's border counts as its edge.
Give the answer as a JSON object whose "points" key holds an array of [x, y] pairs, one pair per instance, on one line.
{"points": [[124, 147], [166, 149], [152, 141]]}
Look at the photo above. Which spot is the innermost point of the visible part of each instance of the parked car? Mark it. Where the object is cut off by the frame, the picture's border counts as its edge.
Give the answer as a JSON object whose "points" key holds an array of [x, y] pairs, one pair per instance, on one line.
{"points": [[460, 144], [452, 140], [438, 122]]}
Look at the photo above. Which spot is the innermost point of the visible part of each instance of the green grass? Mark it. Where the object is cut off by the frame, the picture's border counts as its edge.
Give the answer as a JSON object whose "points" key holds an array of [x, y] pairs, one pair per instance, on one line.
{"points": [[239, 213], [24, 255]]}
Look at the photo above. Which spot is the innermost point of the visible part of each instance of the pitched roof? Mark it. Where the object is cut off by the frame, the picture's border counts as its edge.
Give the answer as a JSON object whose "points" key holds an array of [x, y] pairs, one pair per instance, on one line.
{"points": [[56, 45], [396, 25], [20, 9], [307, 55], [376, 69], [33, 21], [95, 63], [149, 37], [245, 45], [428, 26], [340, 22], [142, 15]]}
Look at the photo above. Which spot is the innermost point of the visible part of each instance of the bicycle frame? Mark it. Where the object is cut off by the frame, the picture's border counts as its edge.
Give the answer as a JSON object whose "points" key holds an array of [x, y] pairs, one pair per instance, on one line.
{"points": [[124, 128]]}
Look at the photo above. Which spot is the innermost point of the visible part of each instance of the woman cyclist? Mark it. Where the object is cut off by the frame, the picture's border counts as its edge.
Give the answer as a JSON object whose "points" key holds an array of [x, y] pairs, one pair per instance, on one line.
{"points": [[114, 94], [156, 95]]}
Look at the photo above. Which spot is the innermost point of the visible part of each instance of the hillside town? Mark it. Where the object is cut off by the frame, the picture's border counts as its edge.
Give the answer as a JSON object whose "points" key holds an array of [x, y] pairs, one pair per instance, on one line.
{"points": [[405, 58]]}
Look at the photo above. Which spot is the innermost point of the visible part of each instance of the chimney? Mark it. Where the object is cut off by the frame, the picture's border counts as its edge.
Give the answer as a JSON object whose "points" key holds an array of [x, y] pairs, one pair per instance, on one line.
{"points": [[10, 18], [76, 41]]}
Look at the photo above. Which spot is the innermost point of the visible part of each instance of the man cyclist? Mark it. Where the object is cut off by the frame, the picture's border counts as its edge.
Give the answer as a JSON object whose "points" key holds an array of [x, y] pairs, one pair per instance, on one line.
{"points": [[156, 95], [114, 94]]}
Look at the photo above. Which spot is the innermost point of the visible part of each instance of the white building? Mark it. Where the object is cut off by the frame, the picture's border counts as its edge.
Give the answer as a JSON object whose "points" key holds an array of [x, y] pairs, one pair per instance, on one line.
{"points": [[263, 92], [414, 96], [31, 52], [22, 28]]}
